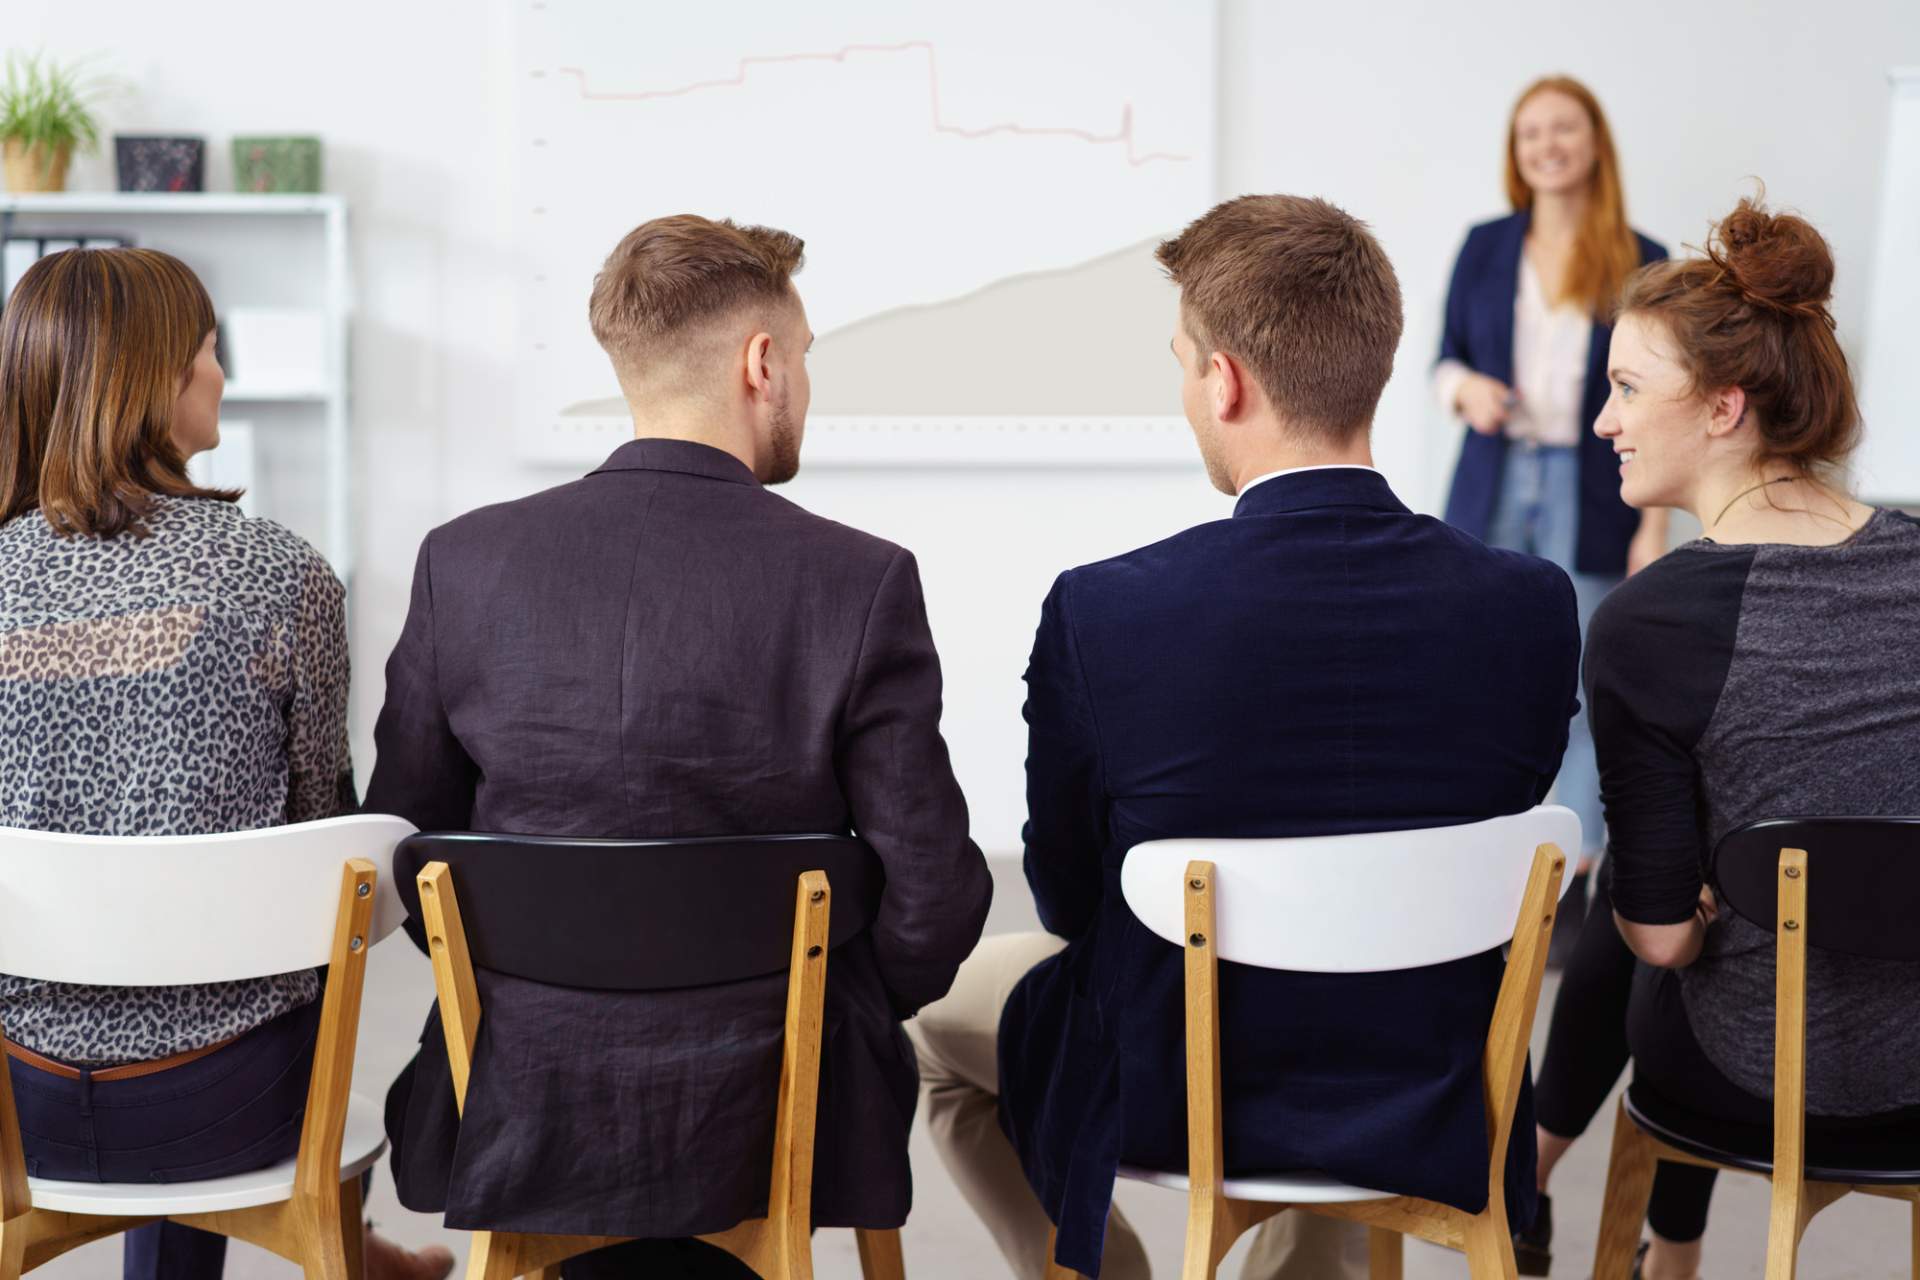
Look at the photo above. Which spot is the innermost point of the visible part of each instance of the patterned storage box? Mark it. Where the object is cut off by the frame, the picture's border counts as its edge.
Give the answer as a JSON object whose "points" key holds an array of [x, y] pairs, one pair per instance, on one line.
{"points": [[276, 164], [160, 164]]}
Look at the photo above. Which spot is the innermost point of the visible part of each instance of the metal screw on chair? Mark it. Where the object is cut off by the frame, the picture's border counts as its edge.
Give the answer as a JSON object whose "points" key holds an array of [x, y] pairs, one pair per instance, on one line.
{"points": [[819, 895], [1793, 873], [1789, 924], [356, 943], [1196, 885], [1198, 939], [813, 951], [364, 890]]}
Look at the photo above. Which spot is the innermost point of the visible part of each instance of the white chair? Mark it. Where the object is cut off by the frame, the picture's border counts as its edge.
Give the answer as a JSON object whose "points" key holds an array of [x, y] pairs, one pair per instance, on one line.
{"points": [[1353, 904], [161, 911]]}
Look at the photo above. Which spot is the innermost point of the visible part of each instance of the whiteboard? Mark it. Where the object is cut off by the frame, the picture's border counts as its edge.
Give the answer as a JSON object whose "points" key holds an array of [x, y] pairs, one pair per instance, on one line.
{"points": [[926, 154], [1887, 469]]}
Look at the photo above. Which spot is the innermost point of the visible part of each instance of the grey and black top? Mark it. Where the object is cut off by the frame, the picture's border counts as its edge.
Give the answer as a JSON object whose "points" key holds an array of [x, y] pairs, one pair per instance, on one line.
{"points": [[1731, 683], [190, 681]]}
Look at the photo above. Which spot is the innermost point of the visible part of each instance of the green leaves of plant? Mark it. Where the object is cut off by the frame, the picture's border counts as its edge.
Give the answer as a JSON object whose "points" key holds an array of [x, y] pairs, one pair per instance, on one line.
{"points": [[43, 103]]}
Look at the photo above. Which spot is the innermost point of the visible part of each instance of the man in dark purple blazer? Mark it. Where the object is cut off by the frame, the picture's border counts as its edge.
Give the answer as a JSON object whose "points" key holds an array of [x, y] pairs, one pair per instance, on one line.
{"points": [[664, 649]]}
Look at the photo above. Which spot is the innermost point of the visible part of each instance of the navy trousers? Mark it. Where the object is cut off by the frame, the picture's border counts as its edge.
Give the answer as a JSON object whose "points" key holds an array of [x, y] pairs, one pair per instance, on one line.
{"points": [[236, 1109]]}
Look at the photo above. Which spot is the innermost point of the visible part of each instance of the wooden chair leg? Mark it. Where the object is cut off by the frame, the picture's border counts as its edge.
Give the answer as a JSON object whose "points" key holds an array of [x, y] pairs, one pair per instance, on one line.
{"points": [[1623, 1209], [332, 1233], [13, 1241], [1385, 1254], [1489, 1245], [491, 1255], [880, 1257], [1204, 1245], [1786, 1219]]}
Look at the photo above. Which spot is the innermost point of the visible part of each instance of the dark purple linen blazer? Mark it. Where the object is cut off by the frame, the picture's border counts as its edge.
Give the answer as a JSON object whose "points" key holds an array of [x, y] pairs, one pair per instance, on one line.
{"points": [[663, 649]]}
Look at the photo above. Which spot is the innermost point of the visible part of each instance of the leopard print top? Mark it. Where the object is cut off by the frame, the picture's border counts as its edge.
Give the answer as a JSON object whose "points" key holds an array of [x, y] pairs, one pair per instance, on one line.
{"points": [[190, 681]]}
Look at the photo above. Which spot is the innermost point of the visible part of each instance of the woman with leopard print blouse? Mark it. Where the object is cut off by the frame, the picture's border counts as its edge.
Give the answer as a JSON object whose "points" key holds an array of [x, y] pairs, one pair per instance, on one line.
{"points": [[168, 666]]}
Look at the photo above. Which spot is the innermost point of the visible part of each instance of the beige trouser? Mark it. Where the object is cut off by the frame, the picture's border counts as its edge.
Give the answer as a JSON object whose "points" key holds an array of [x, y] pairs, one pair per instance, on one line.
{"points": [[957, 1040]]}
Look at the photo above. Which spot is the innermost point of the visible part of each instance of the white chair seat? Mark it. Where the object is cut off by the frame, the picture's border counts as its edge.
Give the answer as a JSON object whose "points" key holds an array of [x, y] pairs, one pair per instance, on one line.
{"points": [[364, 1140], [1273, 1188]]}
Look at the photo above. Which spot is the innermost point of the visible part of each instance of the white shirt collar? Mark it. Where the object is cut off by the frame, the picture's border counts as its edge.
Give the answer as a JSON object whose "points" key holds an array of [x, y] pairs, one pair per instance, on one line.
{"points": [[1290, 471]]}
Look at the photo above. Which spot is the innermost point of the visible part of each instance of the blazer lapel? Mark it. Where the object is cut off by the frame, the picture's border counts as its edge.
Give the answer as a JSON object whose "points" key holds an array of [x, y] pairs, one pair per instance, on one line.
{"points": [[1502, 288]]}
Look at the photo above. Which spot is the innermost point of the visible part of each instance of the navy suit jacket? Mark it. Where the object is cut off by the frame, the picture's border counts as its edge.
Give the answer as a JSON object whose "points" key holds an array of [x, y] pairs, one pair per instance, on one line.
{"points": [[1479, 334], [1323, 662]]}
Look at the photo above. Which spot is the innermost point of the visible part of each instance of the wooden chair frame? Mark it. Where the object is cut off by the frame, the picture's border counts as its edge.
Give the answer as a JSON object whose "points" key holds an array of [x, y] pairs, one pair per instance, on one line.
{"points": [[1796, 1199], [1215, 1220], [777, 1246], [320, 1226]]}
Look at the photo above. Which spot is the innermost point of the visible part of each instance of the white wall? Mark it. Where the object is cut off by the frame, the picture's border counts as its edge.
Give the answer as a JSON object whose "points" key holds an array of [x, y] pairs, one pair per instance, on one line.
{"points": [[1393, 110]]}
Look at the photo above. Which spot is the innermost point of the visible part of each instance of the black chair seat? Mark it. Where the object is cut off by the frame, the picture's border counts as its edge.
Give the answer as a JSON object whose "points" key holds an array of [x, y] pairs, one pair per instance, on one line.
{"points": [[1745, 1146]]}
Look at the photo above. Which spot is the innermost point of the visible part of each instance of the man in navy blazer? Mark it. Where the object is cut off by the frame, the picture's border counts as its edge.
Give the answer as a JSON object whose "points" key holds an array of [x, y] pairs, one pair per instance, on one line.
{"points": [[1325, 661]]}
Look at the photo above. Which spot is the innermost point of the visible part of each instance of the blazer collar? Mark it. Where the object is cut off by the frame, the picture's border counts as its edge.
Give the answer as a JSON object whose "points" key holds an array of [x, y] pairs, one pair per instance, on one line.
{"points": [[1306, 490], [683, 456]]}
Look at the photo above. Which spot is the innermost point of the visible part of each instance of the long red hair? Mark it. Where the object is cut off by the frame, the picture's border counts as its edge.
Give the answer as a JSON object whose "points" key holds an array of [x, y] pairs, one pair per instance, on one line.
{"points": [[1605, 252]]}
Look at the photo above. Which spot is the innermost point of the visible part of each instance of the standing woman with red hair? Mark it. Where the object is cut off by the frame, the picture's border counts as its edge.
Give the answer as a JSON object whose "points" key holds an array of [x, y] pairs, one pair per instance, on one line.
{"points": [[1523, 360], [1523, 366]]}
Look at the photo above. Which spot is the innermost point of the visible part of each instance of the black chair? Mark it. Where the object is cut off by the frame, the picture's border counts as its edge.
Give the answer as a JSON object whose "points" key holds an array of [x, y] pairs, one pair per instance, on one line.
{"points": [[663, 914], [1866, 905]]}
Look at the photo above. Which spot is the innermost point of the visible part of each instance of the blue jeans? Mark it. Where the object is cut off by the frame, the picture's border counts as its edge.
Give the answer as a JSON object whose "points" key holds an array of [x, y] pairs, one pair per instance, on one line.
{"points": [[1539, 513]]}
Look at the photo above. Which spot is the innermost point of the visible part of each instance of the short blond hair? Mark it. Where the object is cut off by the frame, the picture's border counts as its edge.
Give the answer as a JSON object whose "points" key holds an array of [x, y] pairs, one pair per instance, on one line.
{"points": [[676, 273], [1300, 293]]}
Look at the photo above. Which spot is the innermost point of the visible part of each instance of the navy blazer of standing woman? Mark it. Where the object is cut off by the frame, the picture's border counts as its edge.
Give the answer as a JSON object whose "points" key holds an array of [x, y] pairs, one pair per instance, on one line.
{"points": [[1479, 334]]}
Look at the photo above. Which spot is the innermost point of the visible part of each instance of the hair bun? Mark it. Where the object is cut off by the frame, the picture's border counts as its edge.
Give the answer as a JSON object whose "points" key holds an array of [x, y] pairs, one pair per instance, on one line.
{"points": [[1775, 261]]}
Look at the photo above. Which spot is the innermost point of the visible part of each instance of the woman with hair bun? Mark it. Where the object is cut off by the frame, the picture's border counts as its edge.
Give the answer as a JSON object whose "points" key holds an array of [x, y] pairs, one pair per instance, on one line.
{"points": [[1746, 676]]}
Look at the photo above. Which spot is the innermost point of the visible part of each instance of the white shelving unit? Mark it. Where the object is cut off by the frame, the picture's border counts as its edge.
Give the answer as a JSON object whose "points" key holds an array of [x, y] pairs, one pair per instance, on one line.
{"points": [[250, 250]]}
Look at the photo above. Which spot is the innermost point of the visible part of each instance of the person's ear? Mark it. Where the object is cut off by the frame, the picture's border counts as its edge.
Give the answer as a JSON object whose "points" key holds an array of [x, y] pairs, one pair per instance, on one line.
{"points": [[1726, 411], [759, 366], [1229, 388]]}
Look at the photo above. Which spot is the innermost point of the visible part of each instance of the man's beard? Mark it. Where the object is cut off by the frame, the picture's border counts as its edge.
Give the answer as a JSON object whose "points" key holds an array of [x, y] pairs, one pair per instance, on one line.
{"points": [[783, 447], [1210, 454]]}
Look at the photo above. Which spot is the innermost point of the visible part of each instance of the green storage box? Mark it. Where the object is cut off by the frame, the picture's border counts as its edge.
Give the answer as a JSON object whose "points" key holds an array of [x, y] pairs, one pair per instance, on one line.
{"points": [[276, 164]]}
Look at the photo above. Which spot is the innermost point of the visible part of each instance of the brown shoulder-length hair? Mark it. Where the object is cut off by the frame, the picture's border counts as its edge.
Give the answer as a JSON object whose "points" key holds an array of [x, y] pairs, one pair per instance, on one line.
{"points": [[95, 348], [1605, 252], [1752, 312]]}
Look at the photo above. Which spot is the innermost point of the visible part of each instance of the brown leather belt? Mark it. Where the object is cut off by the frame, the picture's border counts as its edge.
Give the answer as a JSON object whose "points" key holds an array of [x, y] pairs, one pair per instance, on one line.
{"points": [[125, 1071]]}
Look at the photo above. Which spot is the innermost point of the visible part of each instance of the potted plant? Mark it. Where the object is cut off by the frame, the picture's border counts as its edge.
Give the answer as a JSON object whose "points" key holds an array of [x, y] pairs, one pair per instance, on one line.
{"points": [[44, 117]]}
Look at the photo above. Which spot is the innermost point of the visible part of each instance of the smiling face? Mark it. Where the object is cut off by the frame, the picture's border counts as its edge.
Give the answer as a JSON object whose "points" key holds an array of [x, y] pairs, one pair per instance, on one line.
{"points": [[1553, 143], [1662, 429]]}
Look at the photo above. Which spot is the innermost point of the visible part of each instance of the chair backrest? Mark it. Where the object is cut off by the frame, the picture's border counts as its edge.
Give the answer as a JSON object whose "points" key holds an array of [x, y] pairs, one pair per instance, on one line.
{"points": [[1863, 880], [138, 911], [1353, 903], [640, 915]]}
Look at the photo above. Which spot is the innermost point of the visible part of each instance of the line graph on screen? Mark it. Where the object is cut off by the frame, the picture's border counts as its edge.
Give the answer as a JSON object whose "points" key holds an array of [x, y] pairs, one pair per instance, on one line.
{"points": [[922, 155], [1124, 134]]}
